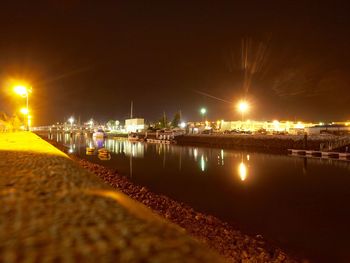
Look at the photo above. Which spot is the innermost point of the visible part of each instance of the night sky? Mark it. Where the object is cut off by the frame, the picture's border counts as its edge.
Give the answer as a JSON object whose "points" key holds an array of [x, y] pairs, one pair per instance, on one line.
{"points": [[289, 59]]}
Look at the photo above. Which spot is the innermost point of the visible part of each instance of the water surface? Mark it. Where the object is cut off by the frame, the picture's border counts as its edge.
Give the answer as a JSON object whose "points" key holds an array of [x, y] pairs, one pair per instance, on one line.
{"points": [[299, 204]]}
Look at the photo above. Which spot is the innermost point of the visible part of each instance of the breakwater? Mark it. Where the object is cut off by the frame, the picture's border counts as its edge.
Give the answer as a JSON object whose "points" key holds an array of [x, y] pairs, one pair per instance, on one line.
{"points": [[278, 143]]}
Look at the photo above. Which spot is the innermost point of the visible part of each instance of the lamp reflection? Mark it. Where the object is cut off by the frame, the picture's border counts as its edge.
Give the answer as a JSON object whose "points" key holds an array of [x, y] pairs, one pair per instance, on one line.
{"points": [[195, 153], [242, 171], [115, 146], [221, 158], [71, 149], [202, 164]]}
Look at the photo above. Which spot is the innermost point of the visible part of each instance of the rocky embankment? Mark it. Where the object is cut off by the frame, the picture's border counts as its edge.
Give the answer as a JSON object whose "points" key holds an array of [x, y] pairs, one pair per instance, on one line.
{"points": [[220, 236]]}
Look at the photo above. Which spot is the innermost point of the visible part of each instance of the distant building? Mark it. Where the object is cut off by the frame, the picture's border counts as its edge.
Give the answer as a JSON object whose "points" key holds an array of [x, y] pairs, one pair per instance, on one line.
{"points": [[274, 126], [134, 125]]}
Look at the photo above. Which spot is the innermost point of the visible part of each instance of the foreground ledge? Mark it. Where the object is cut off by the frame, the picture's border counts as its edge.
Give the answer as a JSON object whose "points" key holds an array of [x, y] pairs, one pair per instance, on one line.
{"points": [[53, 210]]}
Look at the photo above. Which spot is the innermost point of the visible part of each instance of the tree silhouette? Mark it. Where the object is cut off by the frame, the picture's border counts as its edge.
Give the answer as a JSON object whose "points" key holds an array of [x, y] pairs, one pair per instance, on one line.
{"points": [[176, 120]]}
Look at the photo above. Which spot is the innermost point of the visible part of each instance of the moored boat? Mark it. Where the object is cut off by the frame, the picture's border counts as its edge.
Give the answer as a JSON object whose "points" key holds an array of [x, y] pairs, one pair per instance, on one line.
{"points": [[90, 150], [103, 151], [99, 134]]}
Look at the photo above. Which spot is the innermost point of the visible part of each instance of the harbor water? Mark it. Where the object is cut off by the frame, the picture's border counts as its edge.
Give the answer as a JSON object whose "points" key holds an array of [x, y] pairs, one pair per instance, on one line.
{"points": [[296, 203]]}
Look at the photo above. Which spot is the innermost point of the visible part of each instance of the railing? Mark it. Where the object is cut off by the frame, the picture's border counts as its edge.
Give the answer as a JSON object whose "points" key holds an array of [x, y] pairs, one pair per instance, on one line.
{"points": [[336, 143]]}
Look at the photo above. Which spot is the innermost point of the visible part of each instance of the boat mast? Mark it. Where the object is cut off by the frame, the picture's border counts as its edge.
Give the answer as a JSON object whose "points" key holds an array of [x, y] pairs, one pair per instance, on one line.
{"points": [[131, 110]]}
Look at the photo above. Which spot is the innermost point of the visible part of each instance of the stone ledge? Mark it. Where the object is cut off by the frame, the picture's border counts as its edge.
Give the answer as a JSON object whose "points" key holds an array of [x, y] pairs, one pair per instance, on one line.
{"points": [[53, 210]]}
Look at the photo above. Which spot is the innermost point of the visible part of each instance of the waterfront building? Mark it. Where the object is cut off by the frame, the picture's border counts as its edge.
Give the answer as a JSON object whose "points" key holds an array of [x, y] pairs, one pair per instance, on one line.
{"points": [[268, 126], [134, 125]]}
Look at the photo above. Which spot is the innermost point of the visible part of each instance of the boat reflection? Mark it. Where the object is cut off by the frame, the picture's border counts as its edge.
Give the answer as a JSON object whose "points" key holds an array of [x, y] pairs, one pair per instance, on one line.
{"points": [[134, 149], [99, 142], [104, 157]]}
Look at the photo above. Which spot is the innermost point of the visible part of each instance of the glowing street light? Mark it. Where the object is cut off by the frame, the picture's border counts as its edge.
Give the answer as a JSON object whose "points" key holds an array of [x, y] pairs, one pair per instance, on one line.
{"points": [[21, 90], [24, 91], [71, 120], [243, 107], [183, 125], [24, 111]]}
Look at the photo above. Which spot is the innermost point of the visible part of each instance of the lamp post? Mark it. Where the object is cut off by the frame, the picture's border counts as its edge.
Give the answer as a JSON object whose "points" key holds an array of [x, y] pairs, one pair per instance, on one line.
{"points": [[243, 107], [71, 121], [24, 92], [203, 111], [91, 123]]}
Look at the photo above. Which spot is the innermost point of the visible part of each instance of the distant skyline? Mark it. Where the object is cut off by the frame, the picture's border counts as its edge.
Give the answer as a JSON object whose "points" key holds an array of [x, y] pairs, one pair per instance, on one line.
{"points": [[289, 59]]}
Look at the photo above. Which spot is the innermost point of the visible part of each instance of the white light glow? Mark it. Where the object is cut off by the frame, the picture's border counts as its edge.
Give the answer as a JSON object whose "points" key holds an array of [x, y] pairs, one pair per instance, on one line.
{"points": [[21, 90], [202, 164]]}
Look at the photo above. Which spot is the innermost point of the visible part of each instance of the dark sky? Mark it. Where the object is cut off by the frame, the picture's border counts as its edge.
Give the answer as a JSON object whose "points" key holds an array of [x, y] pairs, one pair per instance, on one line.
{"points": [[290, 59]]}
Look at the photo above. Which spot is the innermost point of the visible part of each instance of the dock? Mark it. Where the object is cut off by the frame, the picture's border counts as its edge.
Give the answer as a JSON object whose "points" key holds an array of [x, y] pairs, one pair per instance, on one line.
{"points": [[160, 141], [321, 154]]}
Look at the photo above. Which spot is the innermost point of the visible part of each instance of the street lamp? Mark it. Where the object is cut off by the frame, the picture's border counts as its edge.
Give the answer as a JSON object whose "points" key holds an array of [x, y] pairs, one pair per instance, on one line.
{"points": [[91, 123], [243, 107], [24, 92], [182, 125], [71, 121], [29, 120], [203, 111], [25, 111]]}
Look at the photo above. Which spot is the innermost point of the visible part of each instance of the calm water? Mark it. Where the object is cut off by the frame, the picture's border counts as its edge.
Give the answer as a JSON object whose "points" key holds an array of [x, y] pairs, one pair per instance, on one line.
{"points": [[301, 205]]}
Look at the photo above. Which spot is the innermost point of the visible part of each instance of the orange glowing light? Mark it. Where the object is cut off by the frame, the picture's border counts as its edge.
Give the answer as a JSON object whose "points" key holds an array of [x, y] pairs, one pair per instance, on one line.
{"points": [[243, 106], [24, 111], [242, 170]]}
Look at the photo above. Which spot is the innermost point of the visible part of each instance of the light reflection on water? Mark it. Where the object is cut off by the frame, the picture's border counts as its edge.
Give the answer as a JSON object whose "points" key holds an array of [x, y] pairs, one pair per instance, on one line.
{"points": [[242, 171], [201, 156], [127, 148], [299, 203]]}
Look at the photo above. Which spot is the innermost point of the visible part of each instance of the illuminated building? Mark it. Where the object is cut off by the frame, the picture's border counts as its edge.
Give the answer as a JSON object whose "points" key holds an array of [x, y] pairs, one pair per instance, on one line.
{"points": [[268, 126], [134, 125]]}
